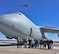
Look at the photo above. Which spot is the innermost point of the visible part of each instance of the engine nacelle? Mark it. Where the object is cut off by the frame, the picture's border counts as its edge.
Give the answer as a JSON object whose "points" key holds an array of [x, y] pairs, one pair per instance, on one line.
{"points": [[58, 35]]}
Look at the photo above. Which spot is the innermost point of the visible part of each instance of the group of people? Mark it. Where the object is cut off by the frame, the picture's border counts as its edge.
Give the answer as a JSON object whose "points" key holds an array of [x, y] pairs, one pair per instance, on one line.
{"points": [[28, 42], [31, 43]]}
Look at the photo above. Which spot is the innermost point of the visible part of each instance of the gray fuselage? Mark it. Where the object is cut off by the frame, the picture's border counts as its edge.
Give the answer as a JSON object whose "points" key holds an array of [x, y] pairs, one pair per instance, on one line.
{"points": [[18, 25]]}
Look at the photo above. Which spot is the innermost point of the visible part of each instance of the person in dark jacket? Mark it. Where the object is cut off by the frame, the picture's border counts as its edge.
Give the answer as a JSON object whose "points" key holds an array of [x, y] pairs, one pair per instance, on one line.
{"points": [[36, 43]]}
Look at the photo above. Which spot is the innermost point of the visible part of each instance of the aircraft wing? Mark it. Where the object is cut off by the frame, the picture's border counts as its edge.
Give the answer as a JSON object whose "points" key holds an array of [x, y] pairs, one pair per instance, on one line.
{"points": [[49, 30]]}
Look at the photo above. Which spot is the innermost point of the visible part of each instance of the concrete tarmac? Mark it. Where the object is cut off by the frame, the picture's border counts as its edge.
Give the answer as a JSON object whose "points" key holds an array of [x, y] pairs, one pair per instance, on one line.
{"points": [[15, 50]]}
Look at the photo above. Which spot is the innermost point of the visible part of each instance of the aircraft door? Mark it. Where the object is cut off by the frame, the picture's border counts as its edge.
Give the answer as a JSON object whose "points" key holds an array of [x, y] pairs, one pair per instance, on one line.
{"points": [[30, 32]]}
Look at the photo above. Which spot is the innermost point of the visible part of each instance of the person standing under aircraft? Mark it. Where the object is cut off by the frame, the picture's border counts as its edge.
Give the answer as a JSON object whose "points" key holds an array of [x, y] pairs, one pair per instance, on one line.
{"points": [[25, 41], [18, 42], [36, 43], [29, 42], [49, 42], [32, 43]]}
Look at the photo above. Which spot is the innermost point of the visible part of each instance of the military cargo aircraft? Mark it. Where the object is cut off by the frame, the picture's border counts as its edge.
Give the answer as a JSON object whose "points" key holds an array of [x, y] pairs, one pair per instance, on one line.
{"points": [[16, 24]]}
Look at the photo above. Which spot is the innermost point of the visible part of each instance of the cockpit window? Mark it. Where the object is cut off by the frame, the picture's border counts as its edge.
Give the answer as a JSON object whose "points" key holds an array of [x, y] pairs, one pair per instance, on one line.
{"points": [[18, 13]]}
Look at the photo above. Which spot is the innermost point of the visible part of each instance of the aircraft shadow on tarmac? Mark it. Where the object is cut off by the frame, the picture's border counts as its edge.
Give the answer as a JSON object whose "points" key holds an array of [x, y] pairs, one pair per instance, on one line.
{"points": [[11, 44]]}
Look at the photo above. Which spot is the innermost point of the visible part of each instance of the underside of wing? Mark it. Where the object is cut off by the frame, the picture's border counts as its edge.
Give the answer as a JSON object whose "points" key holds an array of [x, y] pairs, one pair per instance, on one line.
{"points": [[49, 30]]}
